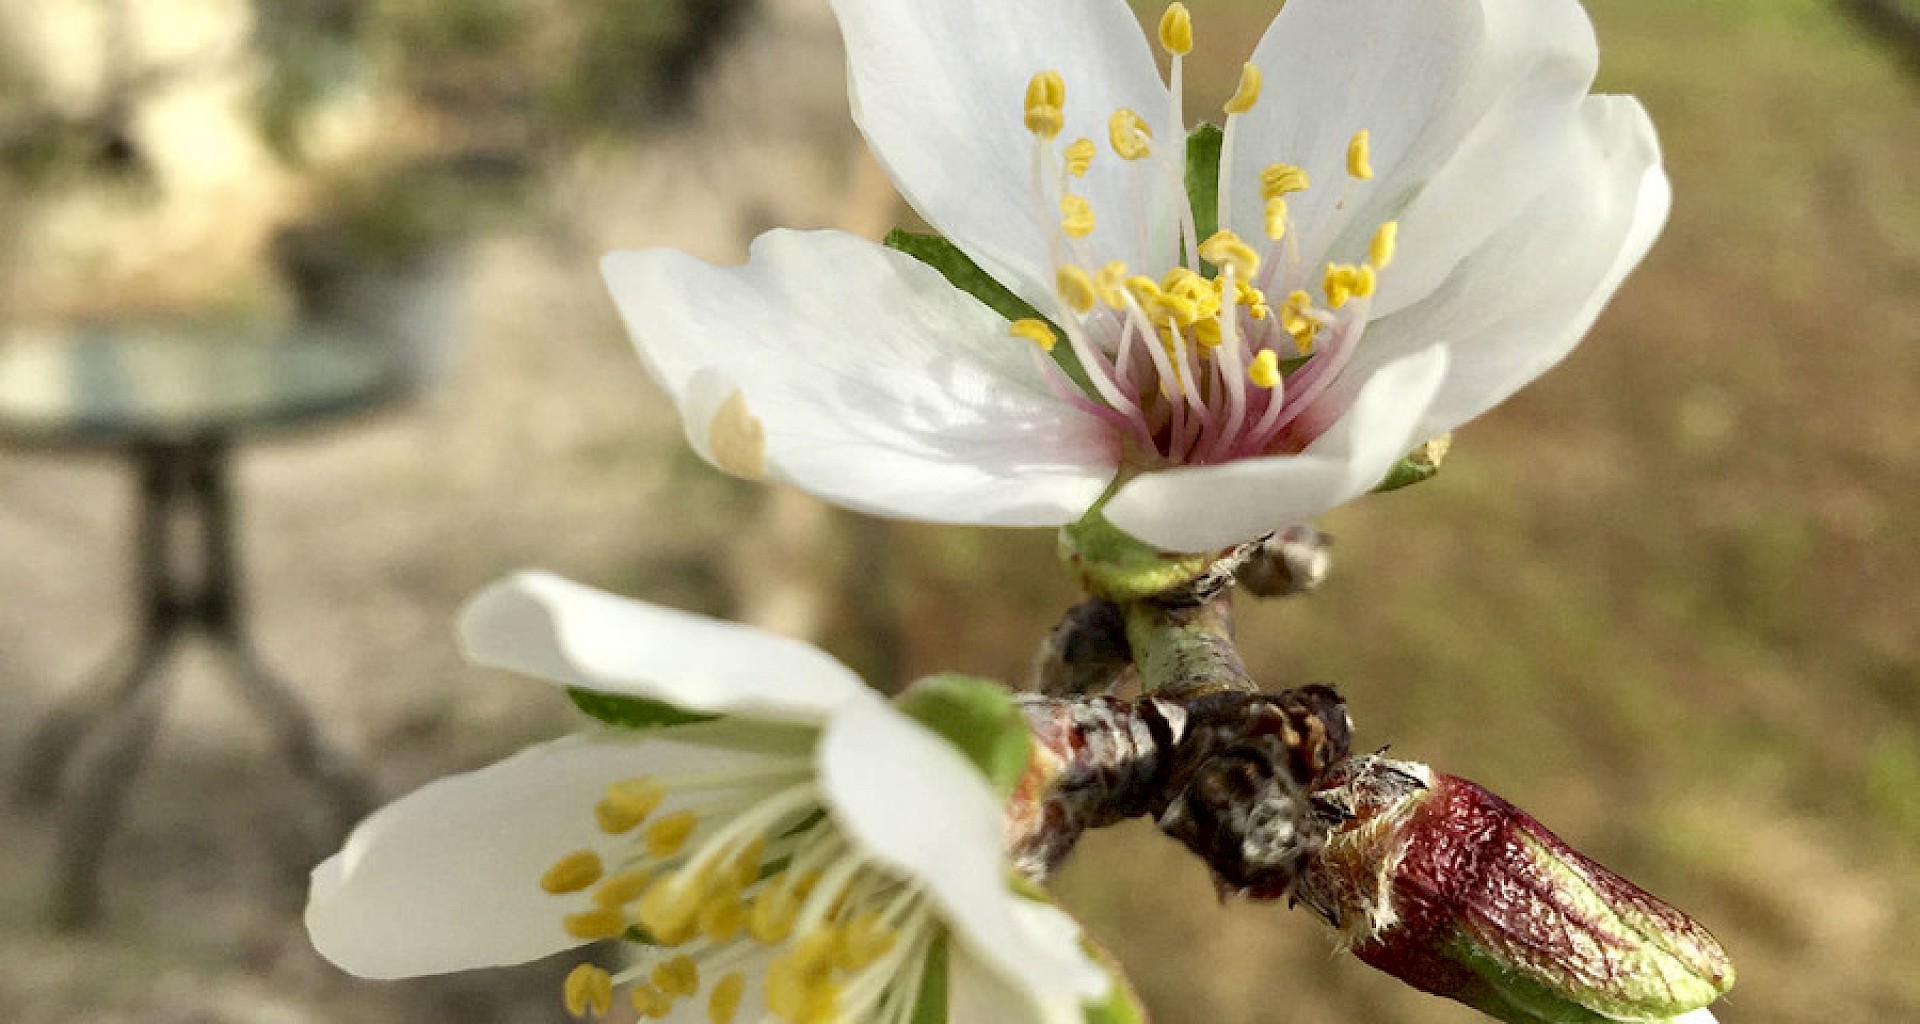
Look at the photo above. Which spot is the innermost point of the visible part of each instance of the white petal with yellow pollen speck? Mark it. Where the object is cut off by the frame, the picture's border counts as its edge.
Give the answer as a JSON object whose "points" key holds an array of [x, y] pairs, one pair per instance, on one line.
{"points": [[877, 384], [936, 88], [1477, 83], [1521, 301], [554, 629]]}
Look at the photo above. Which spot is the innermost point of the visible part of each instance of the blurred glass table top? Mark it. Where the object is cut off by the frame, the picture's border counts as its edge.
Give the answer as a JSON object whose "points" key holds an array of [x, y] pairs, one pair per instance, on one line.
{"points": [[107, 385], [174, 398]]}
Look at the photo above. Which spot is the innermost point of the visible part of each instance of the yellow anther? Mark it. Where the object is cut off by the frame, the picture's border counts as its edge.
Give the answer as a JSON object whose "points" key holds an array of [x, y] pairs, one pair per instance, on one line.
{"points": [[1129, 135], [623, 888], [1226, 249], [1364, 280], [1079, 154], [1283, 179], [669, 911], [1075, 287], [1206, 333], [1276, 223], [1264, 371], [1110, 282], [1177, 308], [747, 861], [821, 1005], [1176, 29], [1359, 163], [677, 977], [722, 918], [666, 836], [572, 873], [724, 1005], [864, 940], [1385, 240], [1145, 290], [627, 803], [1248, 93], [1339, 284], [592, 925], [1035, 331], [651, 1002], [774, 910], [1295, 321], [588, 989], [1046, 100], [1076, 216]]}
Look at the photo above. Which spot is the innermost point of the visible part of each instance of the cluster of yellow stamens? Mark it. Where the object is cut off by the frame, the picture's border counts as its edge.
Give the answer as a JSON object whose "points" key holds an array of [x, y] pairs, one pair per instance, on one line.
{"points": [[1197, 364], [757, 867]]}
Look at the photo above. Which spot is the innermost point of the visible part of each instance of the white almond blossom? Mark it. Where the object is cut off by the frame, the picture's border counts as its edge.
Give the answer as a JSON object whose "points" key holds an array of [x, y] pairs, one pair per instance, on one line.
{"points": [[1422, 209], [800, 856]]}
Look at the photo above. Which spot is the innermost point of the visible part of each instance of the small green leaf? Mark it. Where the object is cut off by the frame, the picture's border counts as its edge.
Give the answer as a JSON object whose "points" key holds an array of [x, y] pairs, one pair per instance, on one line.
{"points": [[1420, 465], [632, 712], [980, 718], [1203, 178], [931, 1006], [961, 272]]}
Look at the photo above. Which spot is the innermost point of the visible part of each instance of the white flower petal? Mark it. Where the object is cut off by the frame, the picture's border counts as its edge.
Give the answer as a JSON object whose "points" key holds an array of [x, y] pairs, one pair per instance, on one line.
{"points": [[911, 800], [1519, 303], [938, 87], [876, 383], [978, 994], [541, 625], [1468, 84], [447, 877], [1207, 508]]}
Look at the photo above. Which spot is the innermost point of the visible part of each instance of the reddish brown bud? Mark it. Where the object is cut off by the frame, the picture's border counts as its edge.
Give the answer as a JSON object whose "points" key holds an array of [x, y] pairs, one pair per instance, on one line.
{"points": [[1457, 892]]}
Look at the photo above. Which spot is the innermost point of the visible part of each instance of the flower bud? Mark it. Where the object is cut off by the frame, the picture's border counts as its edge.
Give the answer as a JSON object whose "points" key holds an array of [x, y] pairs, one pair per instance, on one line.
{"points": [[1457, 892]]}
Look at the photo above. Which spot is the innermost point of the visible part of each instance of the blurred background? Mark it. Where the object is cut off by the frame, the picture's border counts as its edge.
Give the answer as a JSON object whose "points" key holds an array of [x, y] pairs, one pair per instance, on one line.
{"points": [[1664, 599]]}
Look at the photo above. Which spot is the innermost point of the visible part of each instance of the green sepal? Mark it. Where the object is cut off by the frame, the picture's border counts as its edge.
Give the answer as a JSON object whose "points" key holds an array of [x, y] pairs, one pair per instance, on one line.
{"points": [[632, 712], [930, 1007], [1420, 465], [1113, 564], [1203, 178], [961, 272], [980, 718]]}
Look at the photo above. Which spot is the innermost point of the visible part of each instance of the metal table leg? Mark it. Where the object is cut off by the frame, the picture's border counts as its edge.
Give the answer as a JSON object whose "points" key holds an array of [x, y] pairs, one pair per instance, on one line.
{"points": [[114, 726]]}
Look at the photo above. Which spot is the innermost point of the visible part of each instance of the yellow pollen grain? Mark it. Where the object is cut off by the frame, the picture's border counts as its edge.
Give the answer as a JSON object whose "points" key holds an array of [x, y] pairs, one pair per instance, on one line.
{"points": [[649, 1001], [1385, 240], [588, 989], [1110, 283], [1176, 29], [628, 802], [593, 925], [1359, 162], [677, 977], [572, 873], [1264, 371], [1129, 135], [1248, 92], [1076, 216], [665, 837], [1036, 331], [1226, 249], [1283, 179], [1046, 100], [1075, 287], [1276, 223], [1079, 155], [1338, 285], [623, 888], [724, 1005]]}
